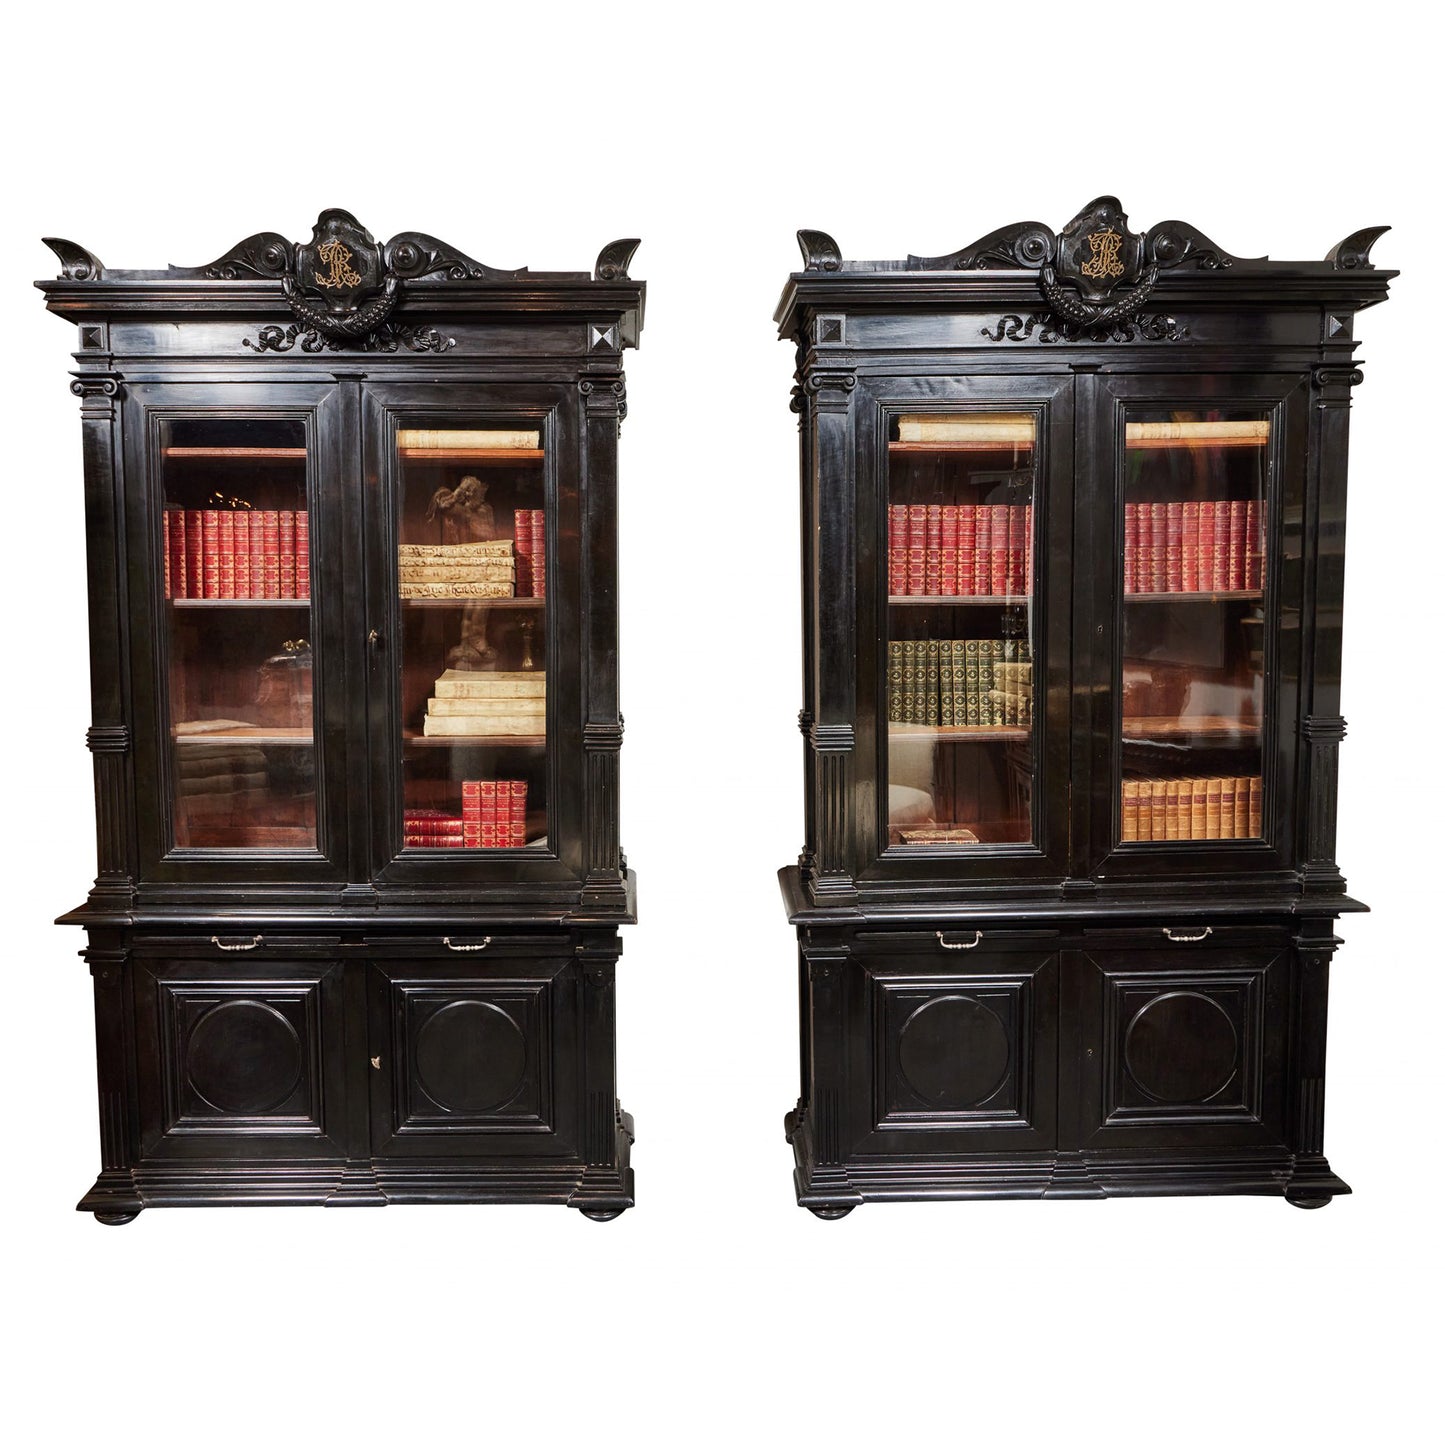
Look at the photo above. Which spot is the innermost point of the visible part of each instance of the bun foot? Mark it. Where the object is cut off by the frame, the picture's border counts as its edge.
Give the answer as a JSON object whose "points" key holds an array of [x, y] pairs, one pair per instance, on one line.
{"points": [[831, 1211], [116, 1216], [1309, 1201], [601, 1215]]}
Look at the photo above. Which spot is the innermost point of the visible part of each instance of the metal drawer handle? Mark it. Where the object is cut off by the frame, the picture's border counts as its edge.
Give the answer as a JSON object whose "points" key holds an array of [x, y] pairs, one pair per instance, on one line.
{"points": [[467, 947], [1199, 937], [944, 943], [237, 947]]}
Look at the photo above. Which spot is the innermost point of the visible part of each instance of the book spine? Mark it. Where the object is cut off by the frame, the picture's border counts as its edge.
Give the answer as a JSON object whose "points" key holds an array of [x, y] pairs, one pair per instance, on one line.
{"points": [[1238, 545], [897, 550], [1016, 550], [472, 813], [166, 550], [303, 555], [948, 553], [1029, 550], [271, 553], [517, 812], [1189, 547], [967, 553], [970, 677], [539, 553], [195, 553], [241, 551], [982, 551], [1204, 547], [257, 525], [998, 550], [931, 696], [1226, 808], [907, 705], [945, 684], [211, 552], [1219, 550], [1254, 546], [1129, 813], [226, 552], [960, 683], [933, 550], [1173, 547], [1163, 809], [1256, 808], [1158, 547], [895, 682], [1213, 809], [1131, 546], [286, 552], [1198, 808]]}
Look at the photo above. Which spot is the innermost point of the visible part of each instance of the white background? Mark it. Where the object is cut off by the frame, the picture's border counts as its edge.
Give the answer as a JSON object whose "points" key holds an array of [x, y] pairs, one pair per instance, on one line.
{"points": [[717, 1308]]}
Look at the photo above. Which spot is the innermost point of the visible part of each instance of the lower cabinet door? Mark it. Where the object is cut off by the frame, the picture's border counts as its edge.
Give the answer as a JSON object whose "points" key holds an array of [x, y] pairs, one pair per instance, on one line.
{"points": [[953, 1042], [240, 1055], [475, 1054], [1183, 1038]]}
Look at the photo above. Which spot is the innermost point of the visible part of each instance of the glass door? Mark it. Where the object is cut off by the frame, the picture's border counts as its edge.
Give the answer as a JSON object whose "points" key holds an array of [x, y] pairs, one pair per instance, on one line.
{"points": [[238, 676], [1200, 664], [461, 673], [973, 740]]}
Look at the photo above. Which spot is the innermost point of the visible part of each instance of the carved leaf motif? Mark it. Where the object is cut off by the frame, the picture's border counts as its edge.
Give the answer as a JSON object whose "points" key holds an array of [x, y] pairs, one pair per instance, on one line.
{"points": [[1026, 246], [266, 255], [1353, 253], [614, 259], [415, 256], [820, 251], [76, 263]]}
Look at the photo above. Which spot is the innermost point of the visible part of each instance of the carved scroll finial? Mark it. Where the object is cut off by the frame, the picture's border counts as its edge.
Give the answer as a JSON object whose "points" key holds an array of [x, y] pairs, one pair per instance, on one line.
{"points": [[614, 259], [820, 251], [76, 263], [1353, 253]]}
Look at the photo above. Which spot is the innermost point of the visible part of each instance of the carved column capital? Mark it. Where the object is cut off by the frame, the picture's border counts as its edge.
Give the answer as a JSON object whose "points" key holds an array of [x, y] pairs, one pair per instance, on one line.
{"points": [[830, 737], [108, 739]]}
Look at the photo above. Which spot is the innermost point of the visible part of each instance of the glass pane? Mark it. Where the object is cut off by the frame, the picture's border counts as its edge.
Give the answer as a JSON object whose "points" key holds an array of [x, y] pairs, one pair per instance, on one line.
{"points": [[1195, 484], [472, 577], [238, 602], [960, 629]]}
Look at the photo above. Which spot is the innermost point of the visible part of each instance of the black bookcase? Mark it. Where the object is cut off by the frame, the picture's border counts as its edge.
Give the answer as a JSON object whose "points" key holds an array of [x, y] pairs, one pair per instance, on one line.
{"points": [[351, 517], [1073, 538]]}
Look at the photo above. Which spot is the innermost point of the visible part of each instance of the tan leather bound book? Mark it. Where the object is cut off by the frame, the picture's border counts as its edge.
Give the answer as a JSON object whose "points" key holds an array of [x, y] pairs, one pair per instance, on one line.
{"points": [[1241, 807], [1199, 808], [1008, 427], [1256, 807], [1129, 813], [444, 590], [1174, 820], [469, 440], [455, 682], [1159, 808], [434, 553], [1226, 808], [1213, 803]]}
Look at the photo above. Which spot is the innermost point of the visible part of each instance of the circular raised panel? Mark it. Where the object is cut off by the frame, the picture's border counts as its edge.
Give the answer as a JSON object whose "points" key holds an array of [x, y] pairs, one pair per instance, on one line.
{"points": [[1181, 1048], [470, 1057], [243, 1057], [954, 1052]]}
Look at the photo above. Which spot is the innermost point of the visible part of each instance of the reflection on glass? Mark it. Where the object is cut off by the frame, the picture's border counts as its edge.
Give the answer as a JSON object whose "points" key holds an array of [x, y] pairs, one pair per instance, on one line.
{"points": [[1195, 490], [472, 582], [960, 629], [237, 583]]}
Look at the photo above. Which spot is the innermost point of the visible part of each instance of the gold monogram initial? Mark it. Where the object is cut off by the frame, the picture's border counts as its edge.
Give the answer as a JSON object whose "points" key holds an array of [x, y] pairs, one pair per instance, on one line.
{"points": [[337, 259], [1104, 261]]}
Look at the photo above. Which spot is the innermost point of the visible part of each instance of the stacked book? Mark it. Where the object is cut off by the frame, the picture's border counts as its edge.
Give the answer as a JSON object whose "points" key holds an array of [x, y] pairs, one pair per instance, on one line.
{"points": [[414, 439], [1156, 809], [236, 552], [529, 526], [937, 835], [1193, 546], [486, 704], [456, 570], [974, 682], [976, 433], [494, 815], [963, 551]]}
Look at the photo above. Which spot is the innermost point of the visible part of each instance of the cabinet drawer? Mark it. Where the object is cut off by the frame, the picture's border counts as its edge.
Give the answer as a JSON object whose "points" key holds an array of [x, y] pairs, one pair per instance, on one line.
{"points": [[953, 1039], [239, 1056], [474, 1053]]}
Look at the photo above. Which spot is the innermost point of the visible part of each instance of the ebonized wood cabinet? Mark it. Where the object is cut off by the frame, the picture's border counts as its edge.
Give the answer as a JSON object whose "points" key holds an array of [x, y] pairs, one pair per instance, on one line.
{"points": [[351, 516], [1073, 537]]}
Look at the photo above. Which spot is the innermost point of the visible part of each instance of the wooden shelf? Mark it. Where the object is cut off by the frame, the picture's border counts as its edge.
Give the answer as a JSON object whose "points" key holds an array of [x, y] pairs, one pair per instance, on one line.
{"points": [[234, 602], [1193, 444], [937, 448], [482, 456], [268, 737], [415, 739], [1247, 596], [923, 733], [1015, 600], [235, 454], [1189, 727], [534, 603]]}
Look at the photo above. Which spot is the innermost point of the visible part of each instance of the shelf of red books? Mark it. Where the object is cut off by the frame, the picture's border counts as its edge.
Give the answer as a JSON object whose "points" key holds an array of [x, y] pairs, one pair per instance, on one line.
{"points": [[481, 793]]}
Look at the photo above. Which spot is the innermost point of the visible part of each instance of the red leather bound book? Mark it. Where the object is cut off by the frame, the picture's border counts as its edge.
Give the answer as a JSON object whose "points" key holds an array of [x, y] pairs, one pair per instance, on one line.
{"points": [[967, 522], [211, 553], [1205, 547], [258, 554], [166, 550], [933, 527], [897, 527], [517, 813], [1131, 546], [1238, 553], [175, 541], [241, 526], [1219, 551], [1173, 546], [948, 572], [917, 526], [1254, 528], [1189, 548], [286, 551], [1158, 547], [915, 570], [1029, 550], [195, 554], [226, 552], [948, 529], [522, 549], [472, 813], [1016, 532], [270, 555], [982, 547], [303, 555], [539, 554], [897, 550]]}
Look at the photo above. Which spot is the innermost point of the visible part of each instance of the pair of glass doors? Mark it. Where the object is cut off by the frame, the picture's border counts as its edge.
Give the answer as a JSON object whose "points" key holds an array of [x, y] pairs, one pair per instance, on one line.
{"points": [[1083, 605], [346, 657]]}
